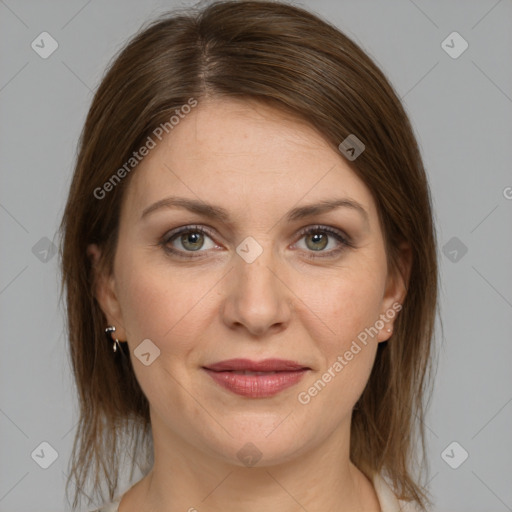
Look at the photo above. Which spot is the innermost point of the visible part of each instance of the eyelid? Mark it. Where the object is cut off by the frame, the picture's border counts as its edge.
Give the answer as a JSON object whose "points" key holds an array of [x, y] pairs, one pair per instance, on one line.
{"points": [[185, 229], [328, 229], [340, 235], [344, 242]]}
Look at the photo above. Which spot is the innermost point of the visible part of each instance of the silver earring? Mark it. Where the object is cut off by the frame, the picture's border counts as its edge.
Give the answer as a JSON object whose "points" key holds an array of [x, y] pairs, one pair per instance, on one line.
{"points": [[115, 344], [388, 329]]}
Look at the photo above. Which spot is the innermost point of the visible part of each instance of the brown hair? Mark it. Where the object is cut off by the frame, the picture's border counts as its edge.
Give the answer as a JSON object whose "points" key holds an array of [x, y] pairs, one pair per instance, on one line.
{"points": [[287, 57]]}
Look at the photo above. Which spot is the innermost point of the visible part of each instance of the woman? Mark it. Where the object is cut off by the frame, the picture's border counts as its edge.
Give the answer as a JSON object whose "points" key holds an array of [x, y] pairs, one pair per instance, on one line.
{"points": [[250, 265]]}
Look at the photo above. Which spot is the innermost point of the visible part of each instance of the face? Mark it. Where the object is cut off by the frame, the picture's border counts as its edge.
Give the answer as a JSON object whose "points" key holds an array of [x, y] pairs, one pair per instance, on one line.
{"points": [[266, 278]]}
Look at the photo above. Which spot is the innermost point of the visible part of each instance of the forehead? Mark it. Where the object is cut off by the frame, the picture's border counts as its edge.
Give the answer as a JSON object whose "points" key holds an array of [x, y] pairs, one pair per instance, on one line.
{"points": [[244, 155]]}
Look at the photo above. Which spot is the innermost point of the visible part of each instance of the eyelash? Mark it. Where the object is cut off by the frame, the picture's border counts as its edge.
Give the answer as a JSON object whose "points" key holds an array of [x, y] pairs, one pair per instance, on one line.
{"points": [[338, 235]]}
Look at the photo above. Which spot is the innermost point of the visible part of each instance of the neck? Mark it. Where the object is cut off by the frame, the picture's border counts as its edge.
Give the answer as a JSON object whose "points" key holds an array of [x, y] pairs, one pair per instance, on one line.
{"points": [[183, 478]]}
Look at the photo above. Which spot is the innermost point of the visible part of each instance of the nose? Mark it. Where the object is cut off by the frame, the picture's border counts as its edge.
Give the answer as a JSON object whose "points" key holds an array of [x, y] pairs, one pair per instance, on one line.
{"points": [[257, 299]]}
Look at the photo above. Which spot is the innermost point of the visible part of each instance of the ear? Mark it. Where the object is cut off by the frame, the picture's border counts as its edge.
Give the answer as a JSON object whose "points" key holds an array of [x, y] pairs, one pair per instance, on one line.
{"points": [[395, 292], [105, 293]]}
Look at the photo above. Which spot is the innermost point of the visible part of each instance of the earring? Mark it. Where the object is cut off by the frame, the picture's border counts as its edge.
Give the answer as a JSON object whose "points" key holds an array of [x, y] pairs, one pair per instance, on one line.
{"points": [[115, 344], [388, 329]]}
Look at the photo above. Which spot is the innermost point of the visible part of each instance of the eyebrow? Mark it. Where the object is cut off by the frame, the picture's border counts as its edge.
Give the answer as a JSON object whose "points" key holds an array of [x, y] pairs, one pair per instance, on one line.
{"points": [[219, 213]]}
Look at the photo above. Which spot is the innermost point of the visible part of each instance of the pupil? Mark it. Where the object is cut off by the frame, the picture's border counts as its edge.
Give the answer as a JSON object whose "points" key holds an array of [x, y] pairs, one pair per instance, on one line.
{"points": [[316, 239], [192, 240]]}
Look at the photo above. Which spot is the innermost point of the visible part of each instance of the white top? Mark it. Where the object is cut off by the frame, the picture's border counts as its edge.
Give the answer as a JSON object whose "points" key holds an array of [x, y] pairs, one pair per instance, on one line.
{"points": [[387, 500]]}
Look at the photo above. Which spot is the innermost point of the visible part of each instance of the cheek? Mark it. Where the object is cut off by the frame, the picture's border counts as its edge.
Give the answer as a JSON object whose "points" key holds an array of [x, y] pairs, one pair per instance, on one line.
{"points": [[160, 304], [343, 304], [341, 312]]}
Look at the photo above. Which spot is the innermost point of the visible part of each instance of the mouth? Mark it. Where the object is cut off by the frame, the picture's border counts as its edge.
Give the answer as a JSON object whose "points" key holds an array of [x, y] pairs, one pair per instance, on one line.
{"points": [[256, 379]]}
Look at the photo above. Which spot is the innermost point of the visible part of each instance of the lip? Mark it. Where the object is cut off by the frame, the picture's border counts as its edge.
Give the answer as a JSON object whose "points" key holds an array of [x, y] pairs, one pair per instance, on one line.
{"points": [[279, 374], [266, 365]]}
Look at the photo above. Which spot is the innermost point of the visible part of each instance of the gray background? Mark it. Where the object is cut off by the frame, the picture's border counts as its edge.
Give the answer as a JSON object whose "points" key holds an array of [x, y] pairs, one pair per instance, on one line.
{"points": [[461, 111]]}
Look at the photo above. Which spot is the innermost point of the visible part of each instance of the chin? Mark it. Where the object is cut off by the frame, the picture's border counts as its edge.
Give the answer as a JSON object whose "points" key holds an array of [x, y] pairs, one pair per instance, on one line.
{"points": [[251, 446]]}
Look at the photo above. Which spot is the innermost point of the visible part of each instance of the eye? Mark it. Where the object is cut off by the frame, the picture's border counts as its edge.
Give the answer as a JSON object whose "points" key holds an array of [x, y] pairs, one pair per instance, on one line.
{"points": [[185, 241], [317, 238], [190, 238]]}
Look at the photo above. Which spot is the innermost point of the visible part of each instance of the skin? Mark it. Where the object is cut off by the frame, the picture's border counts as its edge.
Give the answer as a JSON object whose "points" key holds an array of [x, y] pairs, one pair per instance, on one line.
{"points": [[218, 306]]}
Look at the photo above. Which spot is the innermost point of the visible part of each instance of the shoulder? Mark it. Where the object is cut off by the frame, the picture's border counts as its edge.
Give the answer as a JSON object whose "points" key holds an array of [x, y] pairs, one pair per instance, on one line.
{"points": [[109, 507], [387, 498]]}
